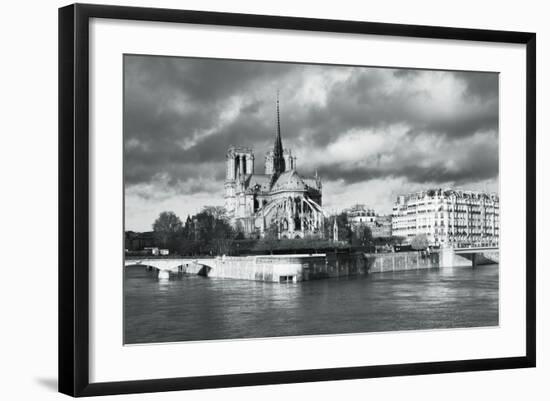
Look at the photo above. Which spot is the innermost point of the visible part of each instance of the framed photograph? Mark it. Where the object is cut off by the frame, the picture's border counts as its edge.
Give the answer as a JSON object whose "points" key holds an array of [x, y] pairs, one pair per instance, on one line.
{"points": [[252, 199]]}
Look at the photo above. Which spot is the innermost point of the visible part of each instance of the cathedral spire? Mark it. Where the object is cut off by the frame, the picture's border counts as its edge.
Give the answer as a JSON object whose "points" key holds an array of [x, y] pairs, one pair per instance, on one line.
{"points": [[278, 157]]}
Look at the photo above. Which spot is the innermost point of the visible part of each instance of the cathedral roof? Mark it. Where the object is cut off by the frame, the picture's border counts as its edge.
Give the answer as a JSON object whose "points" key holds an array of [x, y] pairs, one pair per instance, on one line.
{"points": [[289, 181], [259, 182]]}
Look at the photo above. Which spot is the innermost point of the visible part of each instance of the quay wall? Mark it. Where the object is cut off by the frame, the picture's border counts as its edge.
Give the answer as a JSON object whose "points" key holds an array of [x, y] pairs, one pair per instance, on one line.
{"points": [[289, 268], [265, 268], [343, 264], [401, 261], [295, 268]]}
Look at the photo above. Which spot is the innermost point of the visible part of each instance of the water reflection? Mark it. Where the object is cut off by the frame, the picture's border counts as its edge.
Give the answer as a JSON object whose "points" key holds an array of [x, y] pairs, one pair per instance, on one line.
{"points": [[197, 308]]}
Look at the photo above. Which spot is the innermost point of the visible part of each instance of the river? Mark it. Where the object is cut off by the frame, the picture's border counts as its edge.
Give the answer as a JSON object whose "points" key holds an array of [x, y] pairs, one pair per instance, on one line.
{"points": [[188, 308]]}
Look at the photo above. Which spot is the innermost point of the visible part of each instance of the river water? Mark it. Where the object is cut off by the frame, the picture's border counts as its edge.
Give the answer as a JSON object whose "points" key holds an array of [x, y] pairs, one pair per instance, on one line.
{"points": [[197, 308]]}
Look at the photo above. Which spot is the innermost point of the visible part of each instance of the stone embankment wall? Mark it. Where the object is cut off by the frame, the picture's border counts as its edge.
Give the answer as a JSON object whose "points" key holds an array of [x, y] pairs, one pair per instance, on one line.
{"points": [[287, 268], [342, 265], [294, 268], [401, 261]]}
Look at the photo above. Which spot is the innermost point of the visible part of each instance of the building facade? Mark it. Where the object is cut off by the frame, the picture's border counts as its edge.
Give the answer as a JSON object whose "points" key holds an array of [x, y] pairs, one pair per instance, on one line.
{"points": [[448, 217], [280, 202], [382, 227], [360, 215], [379, 225]]}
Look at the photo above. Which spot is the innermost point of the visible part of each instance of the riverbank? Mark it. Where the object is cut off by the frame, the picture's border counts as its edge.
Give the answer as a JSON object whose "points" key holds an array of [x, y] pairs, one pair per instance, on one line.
{"points": [[305, 267]]}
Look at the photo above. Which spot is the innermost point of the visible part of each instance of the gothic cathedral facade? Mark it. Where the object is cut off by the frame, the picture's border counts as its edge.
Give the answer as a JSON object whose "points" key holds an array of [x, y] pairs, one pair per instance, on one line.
{"points": [[280, 203]]}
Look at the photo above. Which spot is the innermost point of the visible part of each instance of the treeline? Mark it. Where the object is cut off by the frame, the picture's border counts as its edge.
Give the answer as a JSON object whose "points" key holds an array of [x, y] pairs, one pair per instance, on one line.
{"points": [[209, 233], [206, 233]]}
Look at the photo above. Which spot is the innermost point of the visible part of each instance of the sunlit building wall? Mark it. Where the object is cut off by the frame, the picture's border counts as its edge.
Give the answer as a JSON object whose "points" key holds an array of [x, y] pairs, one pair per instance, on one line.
{"points": [[448, 217]]}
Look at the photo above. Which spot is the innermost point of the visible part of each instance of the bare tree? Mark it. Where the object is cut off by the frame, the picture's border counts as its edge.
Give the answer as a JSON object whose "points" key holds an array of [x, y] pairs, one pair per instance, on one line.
{"points": [[166, 227], [218, 212]]}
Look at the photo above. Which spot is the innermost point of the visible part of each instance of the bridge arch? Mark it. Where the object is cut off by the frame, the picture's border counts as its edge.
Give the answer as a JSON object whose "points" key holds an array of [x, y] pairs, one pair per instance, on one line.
{"points": [[174, 266]]}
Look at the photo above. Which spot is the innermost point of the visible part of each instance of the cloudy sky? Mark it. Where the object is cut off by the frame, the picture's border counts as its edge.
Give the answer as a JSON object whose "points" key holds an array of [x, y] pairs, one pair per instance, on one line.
{"points": [[371, 133]]}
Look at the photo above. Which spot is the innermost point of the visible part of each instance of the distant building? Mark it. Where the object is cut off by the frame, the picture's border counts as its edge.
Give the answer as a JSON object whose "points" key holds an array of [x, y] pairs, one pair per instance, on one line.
{"points": [[448, 217], [360, 214], [281, 201], [379, 225], [382, 227]]}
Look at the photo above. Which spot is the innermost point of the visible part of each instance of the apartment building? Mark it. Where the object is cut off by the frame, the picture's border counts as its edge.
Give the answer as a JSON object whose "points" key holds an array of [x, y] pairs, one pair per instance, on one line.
{"points": [[448, 217], [359, 214]]}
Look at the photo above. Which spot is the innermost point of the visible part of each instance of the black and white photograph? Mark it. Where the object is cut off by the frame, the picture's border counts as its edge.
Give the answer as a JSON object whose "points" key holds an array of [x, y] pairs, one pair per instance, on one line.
{"points": [[275, 201], [268, 199]]}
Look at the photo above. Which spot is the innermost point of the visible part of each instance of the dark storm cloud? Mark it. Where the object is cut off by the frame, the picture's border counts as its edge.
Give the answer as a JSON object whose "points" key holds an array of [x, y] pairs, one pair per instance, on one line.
{"points": [[169, 101], [205, 81], [479, 84], [182, 114], [473, 163], [362, 101]]}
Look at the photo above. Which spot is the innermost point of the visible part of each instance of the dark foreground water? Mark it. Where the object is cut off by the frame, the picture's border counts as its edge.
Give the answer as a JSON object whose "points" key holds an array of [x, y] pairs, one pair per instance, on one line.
{"points": [[197, 308]]}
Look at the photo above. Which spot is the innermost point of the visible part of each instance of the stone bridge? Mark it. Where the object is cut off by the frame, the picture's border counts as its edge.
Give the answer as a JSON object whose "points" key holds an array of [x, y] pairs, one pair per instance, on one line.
{"points": [[167, 266], [473, 256]]}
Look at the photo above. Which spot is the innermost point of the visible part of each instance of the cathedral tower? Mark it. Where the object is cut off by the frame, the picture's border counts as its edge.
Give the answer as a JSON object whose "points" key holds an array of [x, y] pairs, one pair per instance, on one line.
{"points": [[278, 156], [239, 163], [278, 159]]}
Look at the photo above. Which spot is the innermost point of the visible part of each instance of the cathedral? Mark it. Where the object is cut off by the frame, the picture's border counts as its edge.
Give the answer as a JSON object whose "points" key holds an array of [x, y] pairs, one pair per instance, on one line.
{"points": [[280, 202]]}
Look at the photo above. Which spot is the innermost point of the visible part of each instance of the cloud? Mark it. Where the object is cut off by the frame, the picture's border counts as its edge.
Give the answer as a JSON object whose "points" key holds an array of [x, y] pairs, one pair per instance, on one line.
{"points": [[418, 159], [354, 125]]}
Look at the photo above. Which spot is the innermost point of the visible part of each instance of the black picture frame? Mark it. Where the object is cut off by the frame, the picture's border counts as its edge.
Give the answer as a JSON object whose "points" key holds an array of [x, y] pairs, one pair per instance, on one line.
{"points": [[74, 198]]}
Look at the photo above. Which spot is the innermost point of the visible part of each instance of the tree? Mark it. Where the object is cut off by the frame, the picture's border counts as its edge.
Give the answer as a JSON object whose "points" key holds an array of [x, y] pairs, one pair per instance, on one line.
{"points": [[327, 227], [272, 232], [239, 231], [218, 212], [189, 229], [362, 236], [396, 240], [344, 227], [214, 234], [419, 242], [167, 227]]}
